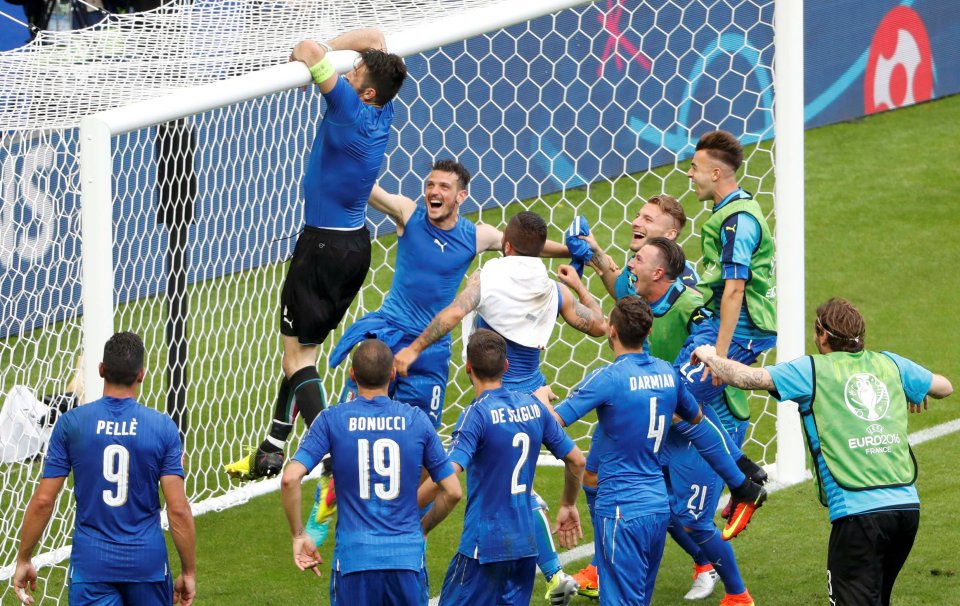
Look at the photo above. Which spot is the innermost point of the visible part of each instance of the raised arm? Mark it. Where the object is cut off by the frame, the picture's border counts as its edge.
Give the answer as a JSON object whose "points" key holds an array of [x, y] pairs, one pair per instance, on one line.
{"points": [[488, 238], [442, 324], [397, 207], [184, 537], [359, 40], [313, 53], [491, 238], [583, 313], [602, 264], [732, 372], [940, 387], [555, 250]]}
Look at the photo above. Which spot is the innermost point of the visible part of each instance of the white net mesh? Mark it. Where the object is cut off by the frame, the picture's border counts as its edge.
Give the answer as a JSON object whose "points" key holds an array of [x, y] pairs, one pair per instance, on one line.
{"points": [[563, 114]]}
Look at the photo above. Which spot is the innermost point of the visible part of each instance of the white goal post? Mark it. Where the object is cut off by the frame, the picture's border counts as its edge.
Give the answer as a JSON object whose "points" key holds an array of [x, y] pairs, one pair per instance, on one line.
{"points": [[559, 106], [97, 132]]}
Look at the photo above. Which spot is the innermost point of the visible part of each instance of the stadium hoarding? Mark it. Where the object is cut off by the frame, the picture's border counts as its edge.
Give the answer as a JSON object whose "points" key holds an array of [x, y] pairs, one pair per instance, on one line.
{"points": [[590, 93]]}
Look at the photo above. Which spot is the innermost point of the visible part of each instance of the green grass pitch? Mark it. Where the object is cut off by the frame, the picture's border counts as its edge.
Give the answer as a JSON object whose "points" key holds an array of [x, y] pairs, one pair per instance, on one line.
{"points": [[879, 231]]}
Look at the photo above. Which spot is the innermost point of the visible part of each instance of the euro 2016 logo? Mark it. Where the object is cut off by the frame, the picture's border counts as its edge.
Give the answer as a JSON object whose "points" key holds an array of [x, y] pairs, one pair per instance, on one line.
{"points": [[900, 65], [866, 396]]}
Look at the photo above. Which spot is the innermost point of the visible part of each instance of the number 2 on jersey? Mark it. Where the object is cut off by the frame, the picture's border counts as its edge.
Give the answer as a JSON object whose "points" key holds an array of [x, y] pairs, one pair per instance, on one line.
{"points": [[386, 462], [116, 469], [521, 441]]}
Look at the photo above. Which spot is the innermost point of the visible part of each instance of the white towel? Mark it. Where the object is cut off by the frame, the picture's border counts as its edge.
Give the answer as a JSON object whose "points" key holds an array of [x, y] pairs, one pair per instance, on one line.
{"points": [[519, 300], [21, 435]]}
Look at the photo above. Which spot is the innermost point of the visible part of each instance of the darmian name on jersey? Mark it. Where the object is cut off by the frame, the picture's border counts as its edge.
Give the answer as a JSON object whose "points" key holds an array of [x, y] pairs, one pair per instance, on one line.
{"points": [[651, 382], [117, 428], [377, 424], [518, 415]]}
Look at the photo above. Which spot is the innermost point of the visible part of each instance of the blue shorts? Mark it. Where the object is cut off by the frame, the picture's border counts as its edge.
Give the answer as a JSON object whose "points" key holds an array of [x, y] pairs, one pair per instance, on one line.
{"points": [[425, 386], [704, 391], [379, 588], [695, 487], [629, 556], [156, 593], [502, 583]]}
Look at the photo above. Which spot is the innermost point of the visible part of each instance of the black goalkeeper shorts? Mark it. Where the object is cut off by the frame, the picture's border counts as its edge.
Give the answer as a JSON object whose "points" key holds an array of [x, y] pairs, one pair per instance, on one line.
{"points": [[866, 554], [326, 272]]}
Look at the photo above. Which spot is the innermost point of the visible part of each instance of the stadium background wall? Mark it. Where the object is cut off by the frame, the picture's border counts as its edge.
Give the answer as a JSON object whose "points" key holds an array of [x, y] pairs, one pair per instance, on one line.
{"points": [[860, 58]]}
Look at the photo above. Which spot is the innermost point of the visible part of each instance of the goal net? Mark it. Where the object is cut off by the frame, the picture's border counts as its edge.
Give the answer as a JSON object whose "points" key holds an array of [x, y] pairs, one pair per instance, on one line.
{"points": [[586, 110]]}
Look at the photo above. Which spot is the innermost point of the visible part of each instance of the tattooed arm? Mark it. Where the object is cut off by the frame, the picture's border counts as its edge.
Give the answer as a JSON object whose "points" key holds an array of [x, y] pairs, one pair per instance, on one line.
{"points": [[604, 265], [732, 372], [442, 324], [583, 313]]}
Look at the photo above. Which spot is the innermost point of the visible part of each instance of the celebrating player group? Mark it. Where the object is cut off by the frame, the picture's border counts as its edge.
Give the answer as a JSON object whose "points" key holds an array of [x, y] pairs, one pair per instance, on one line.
{"points": [[671, 411]]}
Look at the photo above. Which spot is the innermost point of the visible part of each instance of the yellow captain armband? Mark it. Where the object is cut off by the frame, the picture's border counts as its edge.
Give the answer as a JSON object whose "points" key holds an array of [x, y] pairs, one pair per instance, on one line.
{"points": [[322, 71]]}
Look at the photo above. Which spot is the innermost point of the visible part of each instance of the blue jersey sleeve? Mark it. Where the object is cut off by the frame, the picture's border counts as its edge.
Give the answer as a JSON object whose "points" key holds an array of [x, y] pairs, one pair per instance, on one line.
{"points": [[916, 379], [171, 461], [687, 406], [624, 286], [434, 458], [793, 380], [591, 392], [57, 461], [317, 443], [739, 237], [466, 436], [342, 103], [554, 437]]}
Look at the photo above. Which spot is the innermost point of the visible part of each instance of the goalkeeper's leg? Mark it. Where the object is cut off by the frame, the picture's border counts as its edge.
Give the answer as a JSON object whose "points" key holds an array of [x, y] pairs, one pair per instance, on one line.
{"points": [[302, 393]]}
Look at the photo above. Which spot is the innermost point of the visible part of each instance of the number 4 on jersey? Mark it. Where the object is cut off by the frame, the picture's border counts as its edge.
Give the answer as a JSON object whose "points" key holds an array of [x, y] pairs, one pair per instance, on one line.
{"points": [[657, 423]]}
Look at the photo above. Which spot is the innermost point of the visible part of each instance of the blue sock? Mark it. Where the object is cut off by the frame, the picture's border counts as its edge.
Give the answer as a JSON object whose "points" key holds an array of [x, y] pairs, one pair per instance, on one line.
{"points": [[682, 538], [547, 558], [720, 554], [709, 441], [591, 494]]}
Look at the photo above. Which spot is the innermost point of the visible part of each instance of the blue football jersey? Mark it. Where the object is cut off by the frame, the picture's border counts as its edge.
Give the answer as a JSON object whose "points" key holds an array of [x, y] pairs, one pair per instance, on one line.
{"points": [[523, 373], [378, 448], [117, 450], [497, 440], [635, 398], [345, 159], [430, 265]]}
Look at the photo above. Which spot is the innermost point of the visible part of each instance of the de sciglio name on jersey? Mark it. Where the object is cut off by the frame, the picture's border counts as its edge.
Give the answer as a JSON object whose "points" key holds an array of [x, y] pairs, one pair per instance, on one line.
{"points": [[515, 415]]}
